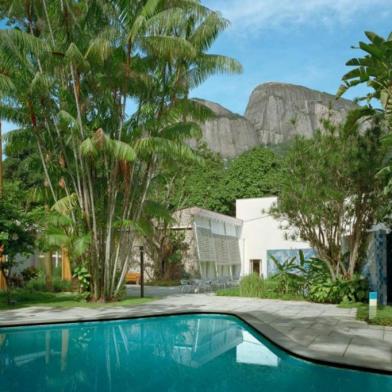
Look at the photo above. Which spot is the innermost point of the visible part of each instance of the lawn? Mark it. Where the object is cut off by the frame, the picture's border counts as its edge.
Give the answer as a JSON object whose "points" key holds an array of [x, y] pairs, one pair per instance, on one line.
{"points": [[163, 283], [383, 316], [26, 298], [264, 294]]}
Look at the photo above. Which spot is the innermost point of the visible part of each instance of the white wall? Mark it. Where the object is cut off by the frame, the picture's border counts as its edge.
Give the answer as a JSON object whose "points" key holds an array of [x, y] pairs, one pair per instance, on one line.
{"points": [[261, 232]]}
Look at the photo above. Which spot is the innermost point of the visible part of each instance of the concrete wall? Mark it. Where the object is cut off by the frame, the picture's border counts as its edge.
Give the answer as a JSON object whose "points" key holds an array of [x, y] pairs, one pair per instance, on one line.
{"points": [[261, 232]]}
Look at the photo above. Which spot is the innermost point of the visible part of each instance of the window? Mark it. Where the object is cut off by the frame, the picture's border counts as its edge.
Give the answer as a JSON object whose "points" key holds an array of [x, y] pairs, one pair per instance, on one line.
{"points": [[230, 230], [217, 227]]}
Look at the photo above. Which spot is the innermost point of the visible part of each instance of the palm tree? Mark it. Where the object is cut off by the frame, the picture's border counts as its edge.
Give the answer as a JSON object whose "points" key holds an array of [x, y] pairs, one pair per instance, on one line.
{"points": [[67, 76], [373, 69], [1, 162]]}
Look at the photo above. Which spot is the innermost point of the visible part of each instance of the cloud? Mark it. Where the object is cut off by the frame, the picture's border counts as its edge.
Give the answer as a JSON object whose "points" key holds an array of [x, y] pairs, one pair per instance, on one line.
{"points": [[253, 16]]}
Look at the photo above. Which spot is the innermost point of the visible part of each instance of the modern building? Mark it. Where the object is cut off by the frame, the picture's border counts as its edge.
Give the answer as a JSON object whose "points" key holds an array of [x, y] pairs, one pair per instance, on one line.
{"points": [[213, 243], [263, 236], [223, 246]]}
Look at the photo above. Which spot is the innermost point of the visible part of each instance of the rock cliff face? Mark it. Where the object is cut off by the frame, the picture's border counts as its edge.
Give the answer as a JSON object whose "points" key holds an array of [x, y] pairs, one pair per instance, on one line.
{"points": [[228, 133], [276, 112], [280, 111]]}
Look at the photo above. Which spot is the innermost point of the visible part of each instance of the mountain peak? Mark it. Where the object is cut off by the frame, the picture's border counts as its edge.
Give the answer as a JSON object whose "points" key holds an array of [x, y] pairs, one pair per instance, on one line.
{"points": [[276, 113]]}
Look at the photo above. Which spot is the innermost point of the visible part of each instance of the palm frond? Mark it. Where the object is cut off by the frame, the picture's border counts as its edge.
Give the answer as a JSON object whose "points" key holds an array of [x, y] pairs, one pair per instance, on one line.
{"points": [[168, 47], [66, 204], [157, 210], [182, 131], [81, 245]]}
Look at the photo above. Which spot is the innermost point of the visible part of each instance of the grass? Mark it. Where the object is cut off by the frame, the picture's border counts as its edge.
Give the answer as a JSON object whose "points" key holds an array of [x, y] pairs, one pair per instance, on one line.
{"points": [[235, 292], [383, 315], [252, 286], [27, 298], [163, 283]]}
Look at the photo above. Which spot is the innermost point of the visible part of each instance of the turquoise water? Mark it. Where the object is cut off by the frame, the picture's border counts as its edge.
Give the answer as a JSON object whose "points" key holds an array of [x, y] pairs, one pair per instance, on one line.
{"points": [[176, 353]]}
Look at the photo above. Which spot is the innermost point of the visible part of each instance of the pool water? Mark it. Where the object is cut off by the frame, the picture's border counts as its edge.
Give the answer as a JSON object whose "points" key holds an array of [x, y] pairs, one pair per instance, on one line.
{"points": [[171, 353]]}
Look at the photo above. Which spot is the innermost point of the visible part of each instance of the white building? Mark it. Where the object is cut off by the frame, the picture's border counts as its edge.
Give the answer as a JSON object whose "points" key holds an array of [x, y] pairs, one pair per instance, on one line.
{"points": [[262, 235]]}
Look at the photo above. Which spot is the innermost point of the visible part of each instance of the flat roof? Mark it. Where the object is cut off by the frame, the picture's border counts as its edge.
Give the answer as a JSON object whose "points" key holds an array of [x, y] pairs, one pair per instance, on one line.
{"points": [[211, 215]]}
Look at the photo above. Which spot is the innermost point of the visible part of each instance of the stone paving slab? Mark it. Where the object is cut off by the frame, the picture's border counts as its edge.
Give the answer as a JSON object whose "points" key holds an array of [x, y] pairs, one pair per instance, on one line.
{"points": [[313, 331]]}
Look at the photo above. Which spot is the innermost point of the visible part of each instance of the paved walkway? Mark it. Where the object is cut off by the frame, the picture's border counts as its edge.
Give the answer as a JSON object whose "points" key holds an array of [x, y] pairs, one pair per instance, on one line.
{"points": [[133, 290], [314, 331]]}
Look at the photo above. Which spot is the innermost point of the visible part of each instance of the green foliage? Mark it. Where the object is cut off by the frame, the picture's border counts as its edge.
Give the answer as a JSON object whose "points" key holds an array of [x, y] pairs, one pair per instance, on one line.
{"points": [[290, 276], [16, 230], [39, 284], [383, 315], [373, 69], [340, 290], [328, 183], [254, 173], [17, 237], [312, 279], [199, 184], [29, 273], [22, 164], [251, 286], [26, 297], [255, 287], [164, 283], [78, 67], [83, 276], [229, 292], [215, 185]]}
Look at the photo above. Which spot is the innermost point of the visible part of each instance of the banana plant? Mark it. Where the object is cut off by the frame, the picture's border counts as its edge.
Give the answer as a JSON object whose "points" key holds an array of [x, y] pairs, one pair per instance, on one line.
{"points": [[374, 70], [290, 274]]}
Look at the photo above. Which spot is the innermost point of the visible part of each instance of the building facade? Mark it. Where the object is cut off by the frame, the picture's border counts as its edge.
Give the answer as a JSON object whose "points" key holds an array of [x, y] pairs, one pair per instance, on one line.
{"points": [[263, 236], [213, 243]]}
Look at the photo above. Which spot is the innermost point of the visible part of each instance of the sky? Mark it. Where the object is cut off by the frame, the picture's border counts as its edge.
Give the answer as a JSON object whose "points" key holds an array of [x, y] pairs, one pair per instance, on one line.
{"points": [[305, 42]]}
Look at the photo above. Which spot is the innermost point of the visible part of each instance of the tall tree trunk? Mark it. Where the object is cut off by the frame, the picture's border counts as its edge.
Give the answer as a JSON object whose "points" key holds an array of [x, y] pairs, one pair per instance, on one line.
{"points": [[1, 162], [48, 265], [65, 265]]}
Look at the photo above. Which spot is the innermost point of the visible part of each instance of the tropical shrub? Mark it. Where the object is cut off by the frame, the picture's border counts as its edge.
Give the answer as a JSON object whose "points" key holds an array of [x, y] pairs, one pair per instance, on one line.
{"points": [[312, 279], [251, 286], [39, 284], [16, 238], [290, 277], [83, 276], [255, 286], [340, 290], [29, 273]]}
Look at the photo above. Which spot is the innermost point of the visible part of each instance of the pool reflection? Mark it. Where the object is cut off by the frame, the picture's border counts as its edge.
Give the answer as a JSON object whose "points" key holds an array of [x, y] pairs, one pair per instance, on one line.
{"points": [[194, 352]]}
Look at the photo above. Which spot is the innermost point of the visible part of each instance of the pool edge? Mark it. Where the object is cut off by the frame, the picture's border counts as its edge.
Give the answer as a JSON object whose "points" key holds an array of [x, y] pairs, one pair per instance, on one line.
{"points": [[271, 334]]}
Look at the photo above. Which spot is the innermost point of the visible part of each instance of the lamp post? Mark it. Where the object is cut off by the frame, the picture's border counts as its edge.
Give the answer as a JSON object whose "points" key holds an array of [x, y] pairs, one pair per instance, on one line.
{"points": [[141, 248]]}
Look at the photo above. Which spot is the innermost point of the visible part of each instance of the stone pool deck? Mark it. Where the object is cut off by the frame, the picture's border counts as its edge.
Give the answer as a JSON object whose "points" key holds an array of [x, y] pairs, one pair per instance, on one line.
{"points": [[313, 331]]}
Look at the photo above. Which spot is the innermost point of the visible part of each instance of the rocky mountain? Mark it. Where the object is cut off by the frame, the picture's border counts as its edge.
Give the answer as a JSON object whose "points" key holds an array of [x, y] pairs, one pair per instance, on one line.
{"points": [[276, 112], [228, 133]]}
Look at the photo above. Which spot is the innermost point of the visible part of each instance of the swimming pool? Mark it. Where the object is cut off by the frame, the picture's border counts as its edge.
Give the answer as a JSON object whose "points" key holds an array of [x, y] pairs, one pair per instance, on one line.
{"points": [[172, 353]]}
